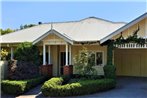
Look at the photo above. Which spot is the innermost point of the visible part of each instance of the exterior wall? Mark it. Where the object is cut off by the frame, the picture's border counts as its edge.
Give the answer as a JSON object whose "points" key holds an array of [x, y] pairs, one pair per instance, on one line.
{"points": [[141, 33], [57, 49], [95, 48], [3, 69]]}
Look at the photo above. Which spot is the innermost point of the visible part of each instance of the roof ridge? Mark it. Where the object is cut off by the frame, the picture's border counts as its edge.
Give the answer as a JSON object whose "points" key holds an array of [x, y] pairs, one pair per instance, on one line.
{"points": [[84, 19], [101, 19]]}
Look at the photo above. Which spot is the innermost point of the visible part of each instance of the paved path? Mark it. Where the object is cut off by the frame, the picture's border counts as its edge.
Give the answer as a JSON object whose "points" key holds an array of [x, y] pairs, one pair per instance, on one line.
{"points": [[127, 87]]}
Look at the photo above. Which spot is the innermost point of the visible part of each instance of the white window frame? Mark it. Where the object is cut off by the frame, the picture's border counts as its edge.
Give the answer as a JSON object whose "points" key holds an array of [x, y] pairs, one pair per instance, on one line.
{"points": [[102, 58]]}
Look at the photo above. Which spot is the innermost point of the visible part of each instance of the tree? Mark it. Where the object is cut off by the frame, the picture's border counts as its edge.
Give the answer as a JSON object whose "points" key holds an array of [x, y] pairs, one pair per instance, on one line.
{"points": [[26, 26], [28, 52], [26, 65], [84, 62], [6, 31]]}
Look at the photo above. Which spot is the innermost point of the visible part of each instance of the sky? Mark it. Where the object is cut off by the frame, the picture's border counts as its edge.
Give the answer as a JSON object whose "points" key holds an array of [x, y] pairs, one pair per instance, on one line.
{"points": [[16, 13]]}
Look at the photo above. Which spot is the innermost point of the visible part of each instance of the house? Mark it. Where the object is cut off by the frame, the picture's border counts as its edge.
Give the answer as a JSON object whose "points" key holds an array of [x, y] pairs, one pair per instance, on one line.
{"points": [[59, 42]]}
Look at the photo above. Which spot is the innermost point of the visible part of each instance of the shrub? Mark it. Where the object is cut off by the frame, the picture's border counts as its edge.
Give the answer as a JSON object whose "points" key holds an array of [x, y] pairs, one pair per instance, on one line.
{"points": [[3, 54], [20, 70], [15, 87], [84, 62], [54, 87], [110, 71], [87, 76], [26, 65], [27, 52]]}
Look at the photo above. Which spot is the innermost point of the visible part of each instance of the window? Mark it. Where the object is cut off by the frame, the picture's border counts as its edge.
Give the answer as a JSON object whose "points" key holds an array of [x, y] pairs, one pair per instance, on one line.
{"points": [[99, 58]]}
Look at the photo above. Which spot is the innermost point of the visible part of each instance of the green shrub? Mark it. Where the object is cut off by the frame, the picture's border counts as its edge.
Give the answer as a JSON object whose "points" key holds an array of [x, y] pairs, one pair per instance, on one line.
{"points": [[54, 87], [110, 71], [15, 87], [27, 52], [84, 62]]}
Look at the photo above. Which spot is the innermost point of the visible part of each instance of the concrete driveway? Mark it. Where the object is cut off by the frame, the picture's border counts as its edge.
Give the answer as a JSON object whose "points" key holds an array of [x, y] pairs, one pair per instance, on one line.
{"points": [[127, 87]]}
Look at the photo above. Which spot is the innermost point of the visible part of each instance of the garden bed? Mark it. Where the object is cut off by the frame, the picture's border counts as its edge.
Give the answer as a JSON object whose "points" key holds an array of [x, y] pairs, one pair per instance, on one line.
{"points": [[56, 86], [17, 87]]}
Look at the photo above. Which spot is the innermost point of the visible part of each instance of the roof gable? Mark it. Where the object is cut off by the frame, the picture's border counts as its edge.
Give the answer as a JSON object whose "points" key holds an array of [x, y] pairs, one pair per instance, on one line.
{"points": [[138, 19], [52, 31]]}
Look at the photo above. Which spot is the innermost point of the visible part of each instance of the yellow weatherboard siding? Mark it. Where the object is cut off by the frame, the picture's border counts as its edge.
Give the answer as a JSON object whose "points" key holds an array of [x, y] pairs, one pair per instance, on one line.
{"points": [[57, 49], [95, 48], [129, 31]]}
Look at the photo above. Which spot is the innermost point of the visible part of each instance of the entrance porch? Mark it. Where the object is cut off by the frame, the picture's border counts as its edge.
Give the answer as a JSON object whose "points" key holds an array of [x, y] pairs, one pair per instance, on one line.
{"points": [[57, 59]]}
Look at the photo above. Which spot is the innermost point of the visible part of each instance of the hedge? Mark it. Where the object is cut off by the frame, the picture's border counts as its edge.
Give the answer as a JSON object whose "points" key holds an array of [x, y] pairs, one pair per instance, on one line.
{"points": [[54, 87], [15, 87], [110, 71]]}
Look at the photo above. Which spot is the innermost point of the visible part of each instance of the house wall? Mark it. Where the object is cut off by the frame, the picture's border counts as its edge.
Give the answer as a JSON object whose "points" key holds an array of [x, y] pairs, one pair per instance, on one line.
{"points": [[141, 33], [57, 49], [75, 50], [3, 69]]}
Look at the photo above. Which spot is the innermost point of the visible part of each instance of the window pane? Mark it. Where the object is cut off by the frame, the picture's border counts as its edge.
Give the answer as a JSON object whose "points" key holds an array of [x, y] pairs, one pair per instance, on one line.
{"points": [[99, 58]]}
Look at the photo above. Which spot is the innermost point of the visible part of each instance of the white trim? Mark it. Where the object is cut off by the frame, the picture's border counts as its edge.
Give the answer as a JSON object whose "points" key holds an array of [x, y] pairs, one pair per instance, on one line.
{"points": [[12, 53], [49, 54], [44, 54], [56, 33], [70, 55], [131, 46], [123, 28], [66, 49]]}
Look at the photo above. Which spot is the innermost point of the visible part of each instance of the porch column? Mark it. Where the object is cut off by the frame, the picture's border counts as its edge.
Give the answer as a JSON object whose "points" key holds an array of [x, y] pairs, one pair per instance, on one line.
{"points": [[11, 53], [49, 54], [69, 54], [46, 69], [68, 69], [44, 55], [66, 62]]}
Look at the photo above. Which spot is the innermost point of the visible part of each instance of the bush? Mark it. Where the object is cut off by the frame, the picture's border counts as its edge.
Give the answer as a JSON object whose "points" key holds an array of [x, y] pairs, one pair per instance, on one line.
{"points": [[84, 62], [27, 52], [110, 71], [26, 65], [3, 54], [77, 77], [15, 87], [87, 76], [54, 87], [22, 70]]}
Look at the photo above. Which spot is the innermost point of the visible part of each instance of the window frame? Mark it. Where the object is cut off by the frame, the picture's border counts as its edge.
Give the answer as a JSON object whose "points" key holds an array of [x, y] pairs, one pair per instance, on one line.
{"points": [[102, 58]]}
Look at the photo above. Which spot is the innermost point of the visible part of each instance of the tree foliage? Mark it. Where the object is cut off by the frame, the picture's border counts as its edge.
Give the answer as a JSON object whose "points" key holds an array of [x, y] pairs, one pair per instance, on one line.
{"points": [[3, 54], [6, 31], [84, 62], [26, 26], [27, 52]]}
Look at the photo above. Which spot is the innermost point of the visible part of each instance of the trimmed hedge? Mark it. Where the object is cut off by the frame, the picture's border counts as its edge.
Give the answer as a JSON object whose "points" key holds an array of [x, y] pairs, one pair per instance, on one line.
{"points": [[54, 87], [15, 87], [110, 71]]}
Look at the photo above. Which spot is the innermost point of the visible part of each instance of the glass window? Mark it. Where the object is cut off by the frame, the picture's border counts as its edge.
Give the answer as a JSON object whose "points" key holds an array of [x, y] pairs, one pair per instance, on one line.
{"points": [[99, 58]]}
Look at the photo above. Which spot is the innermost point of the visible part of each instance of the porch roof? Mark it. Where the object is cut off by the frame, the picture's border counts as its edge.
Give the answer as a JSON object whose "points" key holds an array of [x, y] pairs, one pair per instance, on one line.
{"points": [[89, 29]]}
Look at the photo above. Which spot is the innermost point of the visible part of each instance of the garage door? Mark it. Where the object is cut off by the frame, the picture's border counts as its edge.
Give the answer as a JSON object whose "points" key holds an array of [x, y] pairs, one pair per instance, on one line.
{"points": [[131, 62]]}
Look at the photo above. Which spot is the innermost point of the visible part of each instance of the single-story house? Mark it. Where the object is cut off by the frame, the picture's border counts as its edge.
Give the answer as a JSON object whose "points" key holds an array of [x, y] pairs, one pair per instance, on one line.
{"points": [[59, 42]]}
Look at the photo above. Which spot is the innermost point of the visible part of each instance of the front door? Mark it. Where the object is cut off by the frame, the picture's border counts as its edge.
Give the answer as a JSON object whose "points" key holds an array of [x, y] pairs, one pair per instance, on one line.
{"points": [[62, 61]]}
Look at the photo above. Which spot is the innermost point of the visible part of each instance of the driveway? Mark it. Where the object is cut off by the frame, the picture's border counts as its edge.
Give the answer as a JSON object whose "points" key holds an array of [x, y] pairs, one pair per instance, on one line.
{"points": [[127, 87]]}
